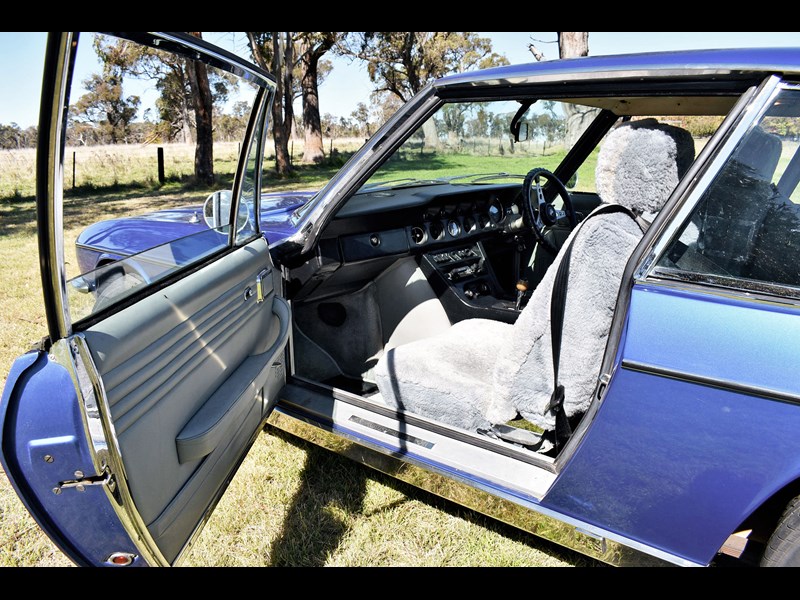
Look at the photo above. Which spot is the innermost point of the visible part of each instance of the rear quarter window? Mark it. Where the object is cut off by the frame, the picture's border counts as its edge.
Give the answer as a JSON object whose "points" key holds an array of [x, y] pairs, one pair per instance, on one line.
{"points": [[746, 226]]}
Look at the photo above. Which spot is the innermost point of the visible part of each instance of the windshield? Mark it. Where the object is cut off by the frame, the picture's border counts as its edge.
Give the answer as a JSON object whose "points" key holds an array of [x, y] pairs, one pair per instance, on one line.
{"points": [[471, 143]]}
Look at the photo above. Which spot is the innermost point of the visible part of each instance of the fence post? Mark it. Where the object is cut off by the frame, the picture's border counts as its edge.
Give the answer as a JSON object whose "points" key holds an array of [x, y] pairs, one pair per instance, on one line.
{"points": [[161, 177], [73, 169]]}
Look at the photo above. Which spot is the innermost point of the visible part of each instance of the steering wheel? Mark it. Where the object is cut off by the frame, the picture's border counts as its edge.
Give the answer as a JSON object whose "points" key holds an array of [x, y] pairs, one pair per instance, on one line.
{"points": [[541, 213]]}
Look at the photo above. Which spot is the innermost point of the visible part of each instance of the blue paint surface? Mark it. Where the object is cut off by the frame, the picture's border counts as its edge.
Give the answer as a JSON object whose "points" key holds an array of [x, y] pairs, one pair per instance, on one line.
{"points": [[40, 416], [679, 465], [741, 60]]}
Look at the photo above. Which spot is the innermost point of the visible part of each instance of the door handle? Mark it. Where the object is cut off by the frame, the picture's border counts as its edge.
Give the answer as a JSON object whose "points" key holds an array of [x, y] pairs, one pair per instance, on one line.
{"points": [[264, 285]]}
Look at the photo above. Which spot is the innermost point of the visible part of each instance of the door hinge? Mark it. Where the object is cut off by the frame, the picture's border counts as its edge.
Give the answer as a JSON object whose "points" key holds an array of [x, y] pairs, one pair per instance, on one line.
{"points": [[81, 482]]}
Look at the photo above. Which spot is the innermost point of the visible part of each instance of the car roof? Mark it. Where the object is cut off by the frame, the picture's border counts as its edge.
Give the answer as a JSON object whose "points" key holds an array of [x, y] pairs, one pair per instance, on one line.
{"points": [[735, 64]]}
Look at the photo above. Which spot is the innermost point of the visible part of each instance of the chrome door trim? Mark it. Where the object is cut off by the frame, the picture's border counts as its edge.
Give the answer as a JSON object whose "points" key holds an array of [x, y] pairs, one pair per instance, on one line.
{"points": [[73, 354], [59, 58], [585, 538]]}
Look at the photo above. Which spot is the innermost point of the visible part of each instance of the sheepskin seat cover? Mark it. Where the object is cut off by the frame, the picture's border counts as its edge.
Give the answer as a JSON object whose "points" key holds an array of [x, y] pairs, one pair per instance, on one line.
{"points": [[480, 371]]}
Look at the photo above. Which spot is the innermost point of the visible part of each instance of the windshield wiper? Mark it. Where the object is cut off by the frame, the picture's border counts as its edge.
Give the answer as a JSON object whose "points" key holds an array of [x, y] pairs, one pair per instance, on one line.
{"points": [[400, 183], [374, 184], [477, 177]]}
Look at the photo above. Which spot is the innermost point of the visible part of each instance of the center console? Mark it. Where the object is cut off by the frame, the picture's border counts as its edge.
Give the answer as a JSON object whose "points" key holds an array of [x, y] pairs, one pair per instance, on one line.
{"points": [[467, 286]]}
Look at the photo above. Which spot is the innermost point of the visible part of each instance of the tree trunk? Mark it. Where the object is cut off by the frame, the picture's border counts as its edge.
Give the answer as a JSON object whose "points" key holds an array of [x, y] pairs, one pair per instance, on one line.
{"points": [[572, 44], [431, 134], [203, 108], [314, 152], [282, 110]]}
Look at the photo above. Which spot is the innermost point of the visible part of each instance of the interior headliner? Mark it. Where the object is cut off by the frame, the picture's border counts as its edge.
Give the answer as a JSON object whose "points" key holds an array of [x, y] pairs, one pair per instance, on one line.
{"points": [[660, 105]]}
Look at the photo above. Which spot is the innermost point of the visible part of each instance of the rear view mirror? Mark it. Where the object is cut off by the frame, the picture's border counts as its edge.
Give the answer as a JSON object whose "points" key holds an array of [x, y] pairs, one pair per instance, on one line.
{"points": [[524, 132], [572, 181]]}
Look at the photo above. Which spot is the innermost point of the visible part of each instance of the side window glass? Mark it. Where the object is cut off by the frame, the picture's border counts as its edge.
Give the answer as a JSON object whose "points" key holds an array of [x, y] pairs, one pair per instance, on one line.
{"points": [[152, 146], [746, 226], [248, 200]]}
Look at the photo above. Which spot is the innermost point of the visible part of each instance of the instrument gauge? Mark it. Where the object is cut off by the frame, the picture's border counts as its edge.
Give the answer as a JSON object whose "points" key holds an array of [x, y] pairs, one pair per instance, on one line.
{"points": [[496, 212]]}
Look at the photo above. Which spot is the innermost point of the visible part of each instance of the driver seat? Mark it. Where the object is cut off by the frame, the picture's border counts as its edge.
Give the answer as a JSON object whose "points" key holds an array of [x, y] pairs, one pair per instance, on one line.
{"points": [[481, 372]]}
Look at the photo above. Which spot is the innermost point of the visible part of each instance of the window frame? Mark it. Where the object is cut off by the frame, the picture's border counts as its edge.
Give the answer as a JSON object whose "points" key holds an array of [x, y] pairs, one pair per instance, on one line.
{"points": [[671, 225], [57, 83]]}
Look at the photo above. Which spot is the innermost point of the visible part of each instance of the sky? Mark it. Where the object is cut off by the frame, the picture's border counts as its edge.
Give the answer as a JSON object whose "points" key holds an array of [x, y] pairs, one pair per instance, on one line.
{"points": [[22, 54]]}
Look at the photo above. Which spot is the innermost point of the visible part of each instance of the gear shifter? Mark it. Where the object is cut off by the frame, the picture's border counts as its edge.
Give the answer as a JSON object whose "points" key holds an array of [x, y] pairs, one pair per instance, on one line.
{"points": [[522, 287]]}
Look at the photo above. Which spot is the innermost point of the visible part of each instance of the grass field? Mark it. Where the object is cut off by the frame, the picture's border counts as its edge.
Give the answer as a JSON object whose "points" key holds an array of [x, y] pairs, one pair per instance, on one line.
{"points": [[291, 503]]}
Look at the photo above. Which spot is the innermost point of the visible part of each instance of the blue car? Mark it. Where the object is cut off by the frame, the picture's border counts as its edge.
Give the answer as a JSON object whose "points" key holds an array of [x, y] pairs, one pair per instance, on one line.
{"points": [[563, 294]]}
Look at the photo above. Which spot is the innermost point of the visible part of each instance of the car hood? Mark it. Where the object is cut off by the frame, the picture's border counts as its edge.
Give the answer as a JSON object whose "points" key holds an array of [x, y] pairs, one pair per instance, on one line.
{"points": [[131, 235]]}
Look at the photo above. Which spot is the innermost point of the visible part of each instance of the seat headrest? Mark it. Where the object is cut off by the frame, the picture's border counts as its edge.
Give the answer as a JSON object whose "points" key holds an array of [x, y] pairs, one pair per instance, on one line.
{"points": [[641, 162], [761, 152]]}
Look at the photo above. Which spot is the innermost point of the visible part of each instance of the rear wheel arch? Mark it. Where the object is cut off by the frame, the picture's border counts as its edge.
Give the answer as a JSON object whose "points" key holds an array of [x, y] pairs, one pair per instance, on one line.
{"points": [[767, 521]]}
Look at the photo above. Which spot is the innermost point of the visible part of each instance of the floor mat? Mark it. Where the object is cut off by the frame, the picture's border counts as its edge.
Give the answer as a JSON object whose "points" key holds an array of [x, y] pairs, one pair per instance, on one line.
{"points": [[352, 385]]}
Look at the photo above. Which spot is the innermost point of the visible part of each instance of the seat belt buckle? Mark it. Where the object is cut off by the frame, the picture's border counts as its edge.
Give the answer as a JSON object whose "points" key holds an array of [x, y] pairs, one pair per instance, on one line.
{"points": [[556, 400]]}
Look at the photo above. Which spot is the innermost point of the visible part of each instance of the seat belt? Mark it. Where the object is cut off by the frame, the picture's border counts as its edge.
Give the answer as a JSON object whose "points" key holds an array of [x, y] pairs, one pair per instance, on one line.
{"points": [[558, 303]]}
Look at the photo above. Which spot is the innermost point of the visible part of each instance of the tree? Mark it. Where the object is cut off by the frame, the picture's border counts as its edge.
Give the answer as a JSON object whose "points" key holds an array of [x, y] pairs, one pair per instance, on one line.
{"points": [[312, 45], [361, 117], [549, 124], [274, 52], [104, 105], [203, 113], [572, 44], [12, 136], [403, 62], [188, 93]]}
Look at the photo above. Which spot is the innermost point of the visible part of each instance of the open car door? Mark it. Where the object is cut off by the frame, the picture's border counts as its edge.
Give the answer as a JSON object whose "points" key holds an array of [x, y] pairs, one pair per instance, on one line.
{"points": [[122, 429]]}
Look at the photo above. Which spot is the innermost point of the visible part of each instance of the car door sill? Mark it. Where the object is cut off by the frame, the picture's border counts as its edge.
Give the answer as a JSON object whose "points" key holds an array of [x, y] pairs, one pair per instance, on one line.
{"points": [[425, 441]]}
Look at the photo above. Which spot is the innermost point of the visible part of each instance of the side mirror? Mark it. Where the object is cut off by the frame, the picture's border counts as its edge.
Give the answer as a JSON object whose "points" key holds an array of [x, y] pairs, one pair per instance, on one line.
{"points": [[217, 211]]}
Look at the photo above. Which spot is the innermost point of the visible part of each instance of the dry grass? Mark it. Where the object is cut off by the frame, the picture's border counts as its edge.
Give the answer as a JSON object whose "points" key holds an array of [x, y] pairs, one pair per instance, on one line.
{"points": [[291, 503]]}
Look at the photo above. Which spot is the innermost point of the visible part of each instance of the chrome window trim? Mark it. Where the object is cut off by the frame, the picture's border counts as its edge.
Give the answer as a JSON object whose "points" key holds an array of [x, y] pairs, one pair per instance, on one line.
{"points": [[73, 354], [235, 64], [746, 120], [263, 101], [363, 164], [770, 295], [50, 165], [61, 50]]}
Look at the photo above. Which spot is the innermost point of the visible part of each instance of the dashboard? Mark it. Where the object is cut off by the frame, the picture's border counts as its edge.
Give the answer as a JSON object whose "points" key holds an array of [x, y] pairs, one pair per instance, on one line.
{"points": [[459, 234], [464, 237], [404, 220]]}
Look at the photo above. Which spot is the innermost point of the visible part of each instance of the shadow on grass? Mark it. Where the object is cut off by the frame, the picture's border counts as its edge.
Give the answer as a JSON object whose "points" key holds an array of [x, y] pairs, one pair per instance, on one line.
{"points": [[312, 532], [313, 529]]}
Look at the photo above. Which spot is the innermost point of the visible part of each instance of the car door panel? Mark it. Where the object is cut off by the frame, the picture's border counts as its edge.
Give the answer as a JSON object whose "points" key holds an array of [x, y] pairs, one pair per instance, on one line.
{"points": [[183, 372]]}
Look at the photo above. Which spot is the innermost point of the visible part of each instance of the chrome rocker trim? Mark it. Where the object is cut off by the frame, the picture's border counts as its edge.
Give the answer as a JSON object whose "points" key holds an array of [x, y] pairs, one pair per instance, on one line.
{"points": [[529, 516]]}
